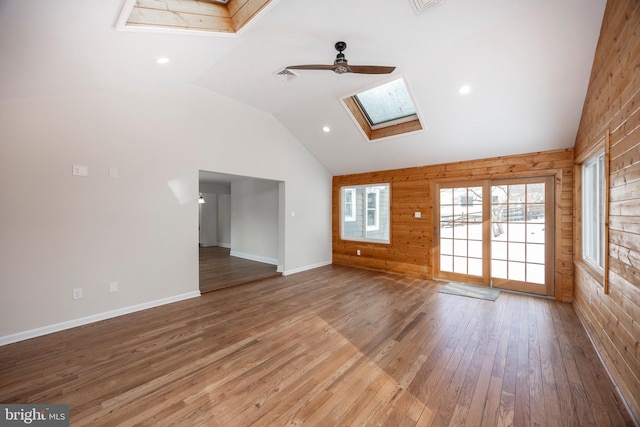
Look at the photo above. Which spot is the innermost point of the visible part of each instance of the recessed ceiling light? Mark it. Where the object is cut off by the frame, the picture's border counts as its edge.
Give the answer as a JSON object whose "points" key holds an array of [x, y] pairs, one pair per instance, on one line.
{"points": [[464, 90], [326, 129], [162, 60]]}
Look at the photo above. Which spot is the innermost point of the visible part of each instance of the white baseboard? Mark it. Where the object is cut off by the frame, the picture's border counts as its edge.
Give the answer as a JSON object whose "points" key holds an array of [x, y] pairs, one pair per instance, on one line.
{"points": [[266, 260], [305, 268], [21, 336], [224, 245]]}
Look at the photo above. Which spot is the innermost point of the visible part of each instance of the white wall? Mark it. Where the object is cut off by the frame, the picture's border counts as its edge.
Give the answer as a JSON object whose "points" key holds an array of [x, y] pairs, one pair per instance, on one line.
{"points": [[224, 220], [209, 220], [208, 187], [254, 219], [221, 193], [59, 232]]}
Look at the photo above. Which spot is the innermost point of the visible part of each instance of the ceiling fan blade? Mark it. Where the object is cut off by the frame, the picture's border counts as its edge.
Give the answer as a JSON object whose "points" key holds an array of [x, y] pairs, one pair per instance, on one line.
{"points": [[311, 67], [370, 69]]}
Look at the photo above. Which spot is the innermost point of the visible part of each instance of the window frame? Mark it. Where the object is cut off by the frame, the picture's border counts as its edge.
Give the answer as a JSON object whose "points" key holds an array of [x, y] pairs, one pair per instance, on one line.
{"points": [[600, 275], [593, 206], [396, 127], [353, 203], [365, 226], [376, 215]]}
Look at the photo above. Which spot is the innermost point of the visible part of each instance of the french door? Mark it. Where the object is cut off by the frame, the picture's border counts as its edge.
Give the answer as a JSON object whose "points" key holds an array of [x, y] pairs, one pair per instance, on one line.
{"points": [[496, 233]]}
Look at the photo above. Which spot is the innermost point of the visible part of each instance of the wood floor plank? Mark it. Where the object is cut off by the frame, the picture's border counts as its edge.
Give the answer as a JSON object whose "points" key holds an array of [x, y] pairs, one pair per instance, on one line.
{"points": [[521, 413], [537, 410], [470, 408], [452, 396], [568, 416], [506, 409], [550, 394], [218, 269], [579, 398], [329, 346], [446, 394]]}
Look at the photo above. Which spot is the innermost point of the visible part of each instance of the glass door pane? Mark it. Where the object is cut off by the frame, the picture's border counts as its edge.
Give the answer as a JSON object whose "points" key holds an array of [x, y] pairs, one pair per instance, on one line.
{"points": [[496, 233], [460, 229], [520, 226]]}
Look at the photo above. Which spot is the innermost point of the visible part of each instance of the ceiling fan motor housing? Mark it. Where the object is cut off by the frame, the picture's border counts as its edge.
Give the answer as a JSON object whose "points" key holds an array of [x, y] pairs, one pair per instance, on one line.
{"points": [[341, 63], [341, 68]]}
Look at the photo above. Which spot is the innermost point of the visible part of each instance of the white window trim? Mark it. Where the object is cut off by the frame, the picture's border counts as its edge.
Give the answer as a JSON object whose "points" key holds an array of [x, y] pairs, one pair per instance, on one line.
{"points": [[376, 225], [589, 220], [363, 212], [352, 217]]}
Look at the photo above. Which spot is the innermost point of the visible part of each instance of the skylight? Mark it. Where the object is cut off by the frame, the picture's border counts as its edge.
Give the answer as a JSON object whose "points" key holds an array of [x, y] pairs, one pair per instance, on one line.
{"points": [[385, 103], [384, 111], [210, 16]]}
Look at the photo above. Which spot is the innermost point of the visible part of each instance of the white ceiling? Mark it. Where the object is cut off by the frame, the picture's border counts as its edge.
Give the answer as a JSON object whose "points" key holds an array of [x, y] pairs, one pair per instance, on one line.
{"points": [[527, 62]]}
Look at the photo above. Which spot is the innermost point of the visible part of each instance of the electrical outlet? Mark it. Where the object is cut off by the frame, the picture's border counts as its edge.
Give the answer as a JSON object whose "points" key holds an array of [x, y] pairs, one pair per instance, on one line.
{"points": [[77, 293], [113, 287], [358, 252], [80, 170]]}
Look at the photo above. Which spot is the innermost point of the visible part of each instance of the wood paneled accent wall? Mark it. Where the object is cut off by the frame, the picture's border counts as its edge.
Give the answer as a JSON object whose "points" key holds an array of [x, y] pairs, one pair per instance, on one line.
{"points": [[410, 250], [613, 105]]}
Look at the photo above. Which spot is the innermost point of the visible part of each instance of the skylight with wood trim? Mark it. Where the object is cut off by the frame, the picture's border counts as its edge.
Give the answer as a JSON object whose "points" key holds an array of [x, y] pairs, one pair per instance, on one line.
{"points": [[215, 16], [385, 110]]}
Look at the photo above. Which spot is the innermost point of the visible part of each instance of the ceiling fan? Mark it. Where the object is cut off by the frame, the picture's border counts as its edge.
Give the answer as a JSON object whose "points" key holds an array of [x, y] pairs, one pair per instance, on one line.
{"points": [[340, 65]]}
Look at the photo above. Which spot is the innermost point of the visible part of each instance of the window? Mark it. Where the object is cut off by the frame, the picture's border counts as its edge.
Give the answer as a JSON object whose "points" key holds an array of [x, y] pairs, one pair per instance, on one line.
{"points": [[466, 201], [349, 204], [593, 211], [387, 102], [365, 212], [385, 110], [373, 209]]}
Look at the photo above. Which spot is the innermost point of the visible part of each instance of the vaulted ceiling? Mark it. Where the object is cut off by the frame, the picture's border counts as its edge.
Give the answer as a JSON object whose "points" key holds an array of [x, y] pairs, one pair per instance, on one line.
{"points": [[527, 62]]}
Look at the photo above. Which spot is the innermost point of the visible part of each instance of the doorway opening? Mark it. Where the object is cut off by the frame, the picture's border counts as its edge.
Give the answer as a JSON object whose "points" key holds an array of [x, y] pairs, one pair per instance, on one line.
{"points": [[497, 233], [240, 237]]}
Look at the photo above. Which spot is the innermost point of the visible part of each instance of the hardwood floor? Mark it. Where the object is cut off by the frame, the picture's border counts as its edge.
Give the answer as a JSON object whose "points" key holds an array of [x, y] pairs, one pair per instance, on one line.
{"points": [[333, 346], [220, 270]]}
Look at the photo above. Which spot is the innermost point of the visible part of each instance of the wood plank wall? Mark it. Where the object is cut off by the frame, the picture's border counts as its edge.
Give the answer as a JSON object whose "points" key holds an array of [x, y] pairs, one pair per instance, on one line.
{"points": [[183, 15], [411, 244], [195, 15], [613, 105]]}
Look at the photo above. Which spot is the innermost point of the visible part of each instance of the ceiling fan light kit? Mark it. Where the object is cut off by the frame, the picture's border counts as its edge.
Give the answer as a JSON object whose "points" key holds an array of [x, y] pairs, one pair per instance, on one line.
{"points": [[341, 65]]}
